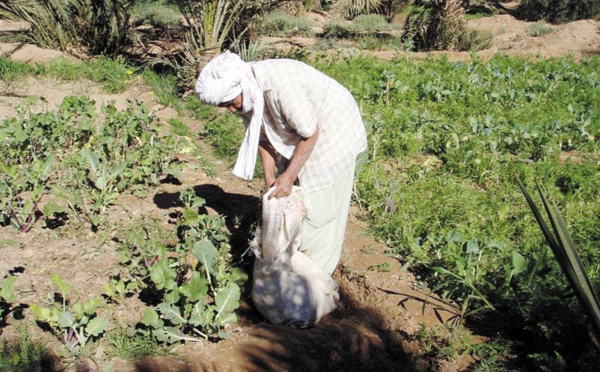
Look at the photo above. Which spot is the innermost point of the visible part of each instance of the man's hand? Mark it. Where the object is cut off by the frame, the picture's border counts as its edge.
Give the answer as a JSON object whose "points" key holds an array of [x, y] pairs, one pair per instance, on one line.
{"points": [[283, 186]]}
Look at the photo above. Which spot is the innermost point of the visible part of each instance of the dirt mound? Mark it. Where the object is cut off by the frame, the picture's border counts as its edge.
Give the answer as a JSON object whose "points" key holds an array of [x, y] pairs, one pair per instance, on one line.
{"points": [[512, 37]]}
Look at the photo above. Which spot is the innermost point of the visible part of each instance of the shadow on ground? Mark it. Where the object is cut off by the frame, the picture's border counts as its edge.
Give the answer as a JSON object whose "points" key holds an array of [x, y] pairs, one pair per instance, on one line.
{"points": [[352, 338]]}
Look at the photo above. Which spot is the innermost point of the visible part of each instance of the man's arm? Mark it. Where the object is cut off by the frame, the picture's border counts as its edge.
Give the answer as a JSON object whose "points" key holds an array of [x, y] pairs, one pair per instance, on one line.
{"points": [[286, 180], [267, 156]]}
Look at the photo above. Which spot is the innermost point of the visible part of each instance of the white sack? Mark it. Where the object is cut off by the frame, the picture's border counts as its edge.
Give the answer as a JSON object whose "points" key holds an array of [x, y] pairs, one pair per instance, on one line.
{"points": [[289, 288]]}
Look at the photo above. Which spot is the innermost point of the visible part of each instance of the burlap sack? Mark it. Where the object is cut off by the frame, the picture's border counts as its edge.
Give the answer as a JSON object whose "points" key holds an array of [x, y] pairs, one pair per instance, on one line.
{"points": [[288, 287]]}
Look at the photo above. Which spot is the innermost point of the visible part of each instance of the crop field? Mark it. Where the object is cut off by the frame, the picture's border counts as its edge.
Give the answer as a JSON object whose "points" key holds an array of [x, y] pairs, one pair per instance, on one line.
{"points": [[438, 182]]}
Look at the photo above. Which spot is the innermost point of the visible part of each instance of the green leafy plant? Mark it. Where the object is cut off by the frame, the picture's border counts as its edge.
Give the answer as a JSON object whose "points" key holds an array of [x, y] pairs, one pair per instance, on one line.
{"points": [[21, 190], [185, 314], [7, 295], [127, 154], [103, 179], [440, 157], [195, 288], [470, 274], [75, 324]]}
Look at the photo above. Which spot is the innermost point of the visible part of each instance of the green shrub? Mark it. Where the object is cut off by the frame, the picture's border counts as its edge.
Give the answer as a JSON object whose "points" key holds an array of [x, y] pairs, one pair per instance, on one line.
{"points": [[558, 11], [156, 15], [540, 28], [283, 24], [336, 29], [470, 40], [370, 23]]}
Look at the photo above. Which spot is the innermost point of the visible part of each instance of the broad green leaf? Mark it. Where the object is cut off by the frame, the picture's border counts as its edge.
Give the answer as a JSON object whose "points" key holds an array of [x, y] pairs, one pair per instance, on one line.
{"points": [[90, 306], [195, 289], [116, 170], [6, 288], [472, 247], [162, 275], [170, 312], [59, 282], [100, 183], [238, 276], [92, 160], [198, 202], [519, 263], [46, 167], [51, 208], [227, 300], [172, 297], [169, 334], [227, 318], [206, 253], [190, 216], [43, 314], [77, 309], [197, 316], [66, 319], [150, 318], [454, 237], [96, 326], [95, 219]]}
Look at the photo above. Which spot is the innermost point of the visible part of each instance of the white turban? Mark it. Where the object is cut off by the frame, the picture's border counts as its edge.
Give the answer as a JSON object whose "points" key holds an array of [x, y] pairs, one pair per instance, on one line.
{"points": [[224, 78]]}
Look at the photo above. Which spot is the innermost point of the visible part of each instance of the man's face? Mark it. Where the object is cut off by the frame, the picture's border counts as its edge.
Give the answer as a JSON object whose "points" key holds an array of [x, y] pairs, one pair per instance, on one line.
{"points": [[236, 105]]}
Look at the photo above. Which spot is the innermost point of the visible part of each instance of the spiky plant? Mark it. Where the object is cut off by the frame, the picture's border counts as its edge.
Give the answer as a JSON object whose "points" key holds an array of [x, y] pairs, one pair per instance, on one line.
{"points": [[213, 25], [79, 26], [349, 9], [435, 24], [564, 250]]}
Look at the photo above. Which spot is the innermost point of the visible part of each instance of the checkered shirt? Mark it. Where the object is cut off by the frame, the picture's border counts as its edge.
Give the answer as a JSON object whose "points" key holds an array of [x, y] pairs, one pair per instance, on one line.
{"points": [[297, 98]]}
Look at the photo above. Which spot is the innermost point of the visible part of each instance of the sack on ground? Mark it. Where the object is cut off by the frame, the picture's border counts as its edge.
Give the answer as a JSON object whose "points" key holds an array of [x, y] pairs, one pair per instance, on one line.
{"points": [[289, 287]]}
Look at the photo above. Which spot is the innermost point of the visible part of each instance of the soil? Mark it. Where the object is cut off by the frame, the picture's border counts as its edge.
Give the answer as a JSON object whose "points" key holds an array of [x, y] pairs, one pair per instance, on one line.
{"points": [[381, 312]]}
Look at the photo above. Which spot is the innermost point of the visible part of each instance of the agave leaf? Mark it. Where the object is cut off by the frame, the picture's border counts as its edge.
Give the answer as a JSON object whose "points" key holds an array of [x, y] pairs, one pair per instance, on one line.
{"points": [[563, 247], [577, 274]]}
